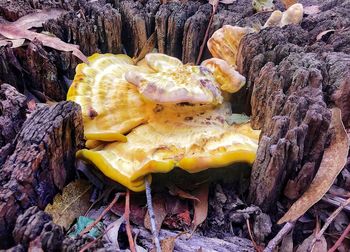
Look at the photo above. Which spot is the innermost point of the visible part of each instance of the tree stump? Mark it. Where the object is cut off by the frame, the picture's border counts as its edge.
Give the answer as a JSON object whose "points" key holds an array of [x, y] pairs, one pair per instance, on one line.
{"points": [[293, 78], [294, 75], [41, 164]]}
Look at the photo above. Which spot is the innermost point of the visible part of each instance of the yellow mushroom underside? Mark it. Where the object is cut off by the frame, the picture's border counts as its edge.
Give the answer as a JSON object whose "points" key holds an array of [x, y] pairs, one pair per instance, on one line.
{"points": [[158, 137]]}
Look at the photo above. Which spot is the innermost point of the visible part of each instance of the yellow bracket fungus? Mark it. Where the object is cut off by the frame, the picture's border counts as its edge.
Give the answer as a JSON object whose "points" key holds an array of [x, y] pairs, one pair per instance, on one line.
{"points": [[135, 131], [223, 44]]}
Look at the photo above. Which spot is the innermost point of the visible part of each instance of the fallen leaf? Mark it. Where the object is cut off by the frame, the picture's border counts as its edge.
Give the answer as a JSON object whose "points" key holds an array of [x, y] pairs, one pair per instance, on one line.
{"points": [[237, 119], [320, 245], [333, 161], [19, 30], [288, 3], [82, 223], [175, 191], [13, 43], [36, 19], [168, 244], [111, 235], [72, 203], [201, 206], [320, 35], [31, 105], [137, 209], [287, 242], [313, 9], [159, 212]]}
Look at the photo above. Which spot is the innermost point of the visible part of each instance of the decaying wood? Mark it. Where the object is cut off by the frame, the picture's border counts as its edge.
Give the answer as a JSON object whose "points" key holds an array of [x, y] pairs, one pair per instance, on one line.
{"points": [[12, 115], [292, 79], [41, 164], [94, 28], [197, 242]]}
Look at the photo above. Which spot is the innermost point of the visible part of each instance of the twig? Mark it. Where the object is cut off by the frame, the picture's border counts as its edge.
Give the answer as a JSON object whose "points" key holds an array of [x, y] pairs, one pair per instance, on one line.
{"points": [[340, 240], [278, 238], [152, 216], [127, 221], [215, 6], [327, 223], [89, 245], [87, 229], [257, 248]]}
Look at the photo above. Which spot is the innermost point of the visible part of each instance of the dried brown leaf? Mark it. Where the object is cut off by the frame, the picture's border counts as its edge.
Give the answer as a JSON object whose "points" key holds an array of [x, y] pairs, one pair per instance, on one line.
{"points": [[14, 31], [320, 245], [333, 161], [287, 242], [175, 191], [159, 212], [201, 206], [13, 43], [73, 202], [321, 34], [111, 235], [168, 244], [36, 19], [288, 3]]}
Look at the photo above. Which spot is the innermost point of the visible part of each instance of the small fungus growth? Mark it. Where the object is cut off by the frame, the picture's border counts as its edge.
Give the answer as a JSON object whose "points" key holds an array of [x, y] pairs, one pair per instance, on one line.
{"points": [[157, 115]]}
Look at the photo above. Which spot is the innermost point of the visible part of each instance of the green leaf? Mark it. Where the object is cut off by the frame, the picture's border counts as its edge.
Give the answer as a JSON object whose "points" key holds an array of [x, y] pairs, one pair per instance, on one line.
{"points": [[237, 119], [82, 223]]}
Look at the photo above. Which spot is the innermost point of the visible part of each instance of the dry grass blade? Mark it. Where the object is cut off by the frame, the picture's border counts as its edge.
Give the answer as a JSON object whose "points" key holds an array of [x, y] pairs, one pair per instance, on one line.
{"points": [[340, 240], [271, 246], [88, 228], [127, 221], [329, 220], [333, 161], [256, 247], [215, 4], [13, 32], [147, 48]]}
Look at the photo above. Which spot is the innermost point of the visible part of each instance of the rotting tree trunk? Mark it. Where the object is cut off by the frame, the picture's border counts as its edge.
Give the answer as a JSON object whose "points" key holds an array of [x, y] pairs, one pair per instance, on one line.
{"points": [[41, 164]]}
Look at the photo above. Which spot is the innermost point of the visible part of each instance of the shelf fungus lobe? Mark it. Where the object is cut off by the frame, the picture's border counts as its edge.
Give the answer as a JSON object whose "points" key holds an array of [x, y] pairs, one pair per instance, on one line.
{"points": [[167, 132]]}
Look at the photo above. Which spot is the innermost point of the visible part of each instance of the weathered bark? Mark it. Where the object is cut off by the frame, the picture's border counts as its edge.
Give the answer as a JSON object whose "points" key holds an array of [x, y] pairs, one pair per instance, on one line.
{"points": [[194, 32], [36, 225], [98, 31], [182, 244], [41, 164], [292, 79], [12, 115]]}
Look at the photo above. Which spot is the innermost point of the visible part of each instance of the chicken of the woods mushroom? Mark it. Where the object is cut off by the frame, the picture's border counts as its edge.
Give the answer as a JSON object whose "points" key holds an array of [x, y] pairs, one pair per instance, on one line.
{"points": [[159, 114]]}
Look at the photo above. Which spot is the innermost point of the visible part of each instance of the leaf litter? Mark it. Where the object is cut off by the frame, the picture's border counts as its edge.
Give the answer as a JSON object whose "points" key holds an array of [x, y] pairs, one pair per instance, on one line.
{"points": [[333, 161], [16, 31], [72, 203]]}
